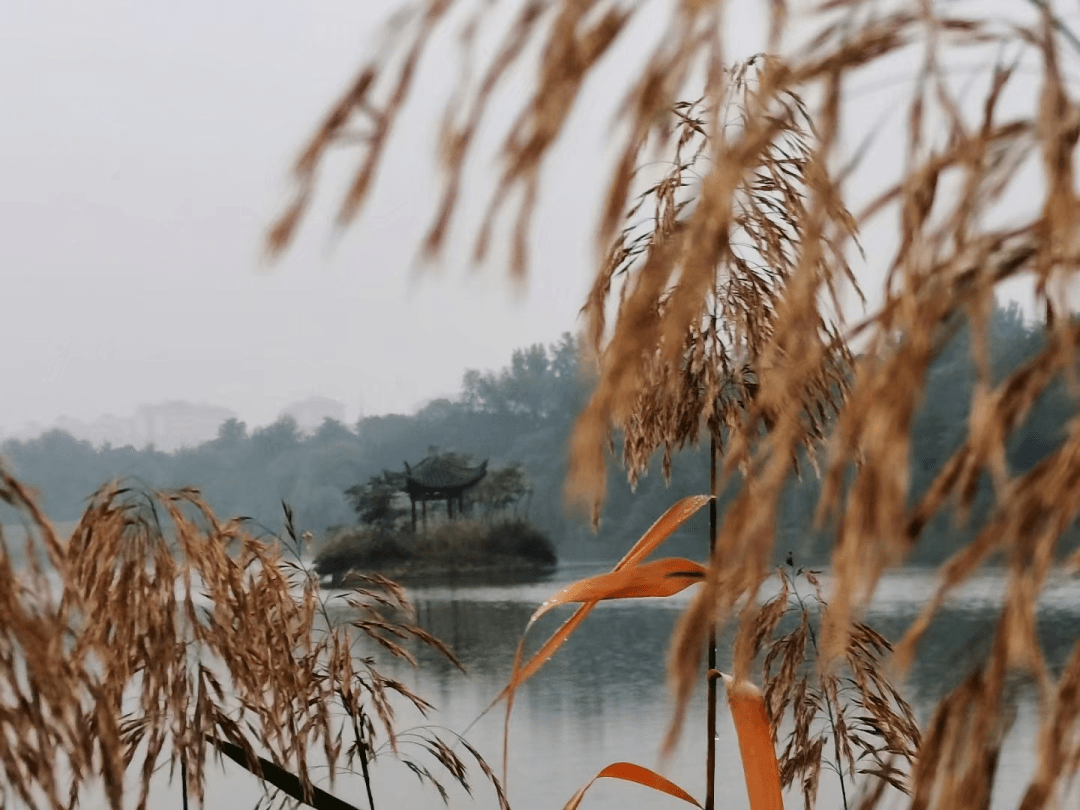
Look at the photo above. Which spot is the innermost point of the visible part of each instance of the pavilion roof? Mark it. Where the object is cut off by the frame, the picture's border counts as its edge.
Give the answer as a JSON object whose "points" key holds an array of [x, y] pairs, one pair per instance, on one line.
{"points": [[440, 473]]}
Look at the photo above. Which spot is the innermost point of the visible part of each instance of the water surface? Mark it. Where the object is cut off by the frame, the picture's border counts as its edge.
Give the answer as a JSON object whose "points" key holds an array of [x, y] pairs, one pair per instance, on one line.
{"points": [[603, 697]]}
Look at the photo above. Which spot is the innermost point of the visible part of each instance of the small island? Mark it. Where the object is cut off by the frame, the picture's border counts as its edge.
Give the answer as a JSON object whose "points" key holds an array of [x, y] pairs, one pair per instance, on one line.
{"points": [[469, 525]]}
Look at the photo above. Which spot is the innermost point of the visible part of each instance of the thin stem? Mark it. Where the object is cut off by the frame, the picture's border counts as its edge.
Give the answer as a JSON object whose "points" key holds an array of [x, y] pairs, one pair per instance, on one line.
{"points": [[710, 756], [828, 700], [183, 782], [362, 747]]}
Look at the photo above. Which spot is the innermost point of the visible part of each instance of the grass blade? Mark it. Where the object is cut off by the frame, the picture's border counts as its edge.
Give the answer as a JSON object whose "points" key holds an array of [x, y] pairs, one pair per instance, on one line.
{"points": [[281, 779], [755, 744], [676, 515], [629, 772], [672, 519], [659, 578], [664, 577]]}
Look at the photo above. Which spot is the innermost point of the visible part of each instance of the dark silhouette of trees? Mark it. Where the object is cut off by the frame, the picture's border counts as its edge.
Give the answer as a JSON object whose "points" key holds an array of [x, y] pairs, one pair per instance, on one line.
{"points": [[520, 418], [502, 489], [376, 502]]}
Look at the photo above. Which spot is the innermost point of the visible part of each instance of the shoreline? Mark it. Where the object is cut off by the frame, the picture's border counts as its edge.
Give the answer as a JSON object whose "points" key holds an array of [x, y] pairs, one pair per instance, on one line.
{"points": [[498, 570]]}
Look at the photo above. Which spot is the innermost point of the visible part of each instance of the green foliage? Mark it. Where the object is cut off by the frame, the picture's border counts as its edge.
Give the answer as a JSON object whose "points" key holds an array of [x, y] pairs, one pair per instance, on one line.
{"points": [[501, 490], [362, 547], [450, 545], [376, 502], [518, 538], [538, 384]]}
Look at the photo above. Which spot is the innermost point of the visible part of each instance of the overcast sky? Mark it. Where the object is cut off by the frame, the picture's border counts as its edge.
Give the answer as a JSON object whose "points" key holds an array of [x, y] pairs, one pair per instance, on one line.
{"points": [[144, 150]]}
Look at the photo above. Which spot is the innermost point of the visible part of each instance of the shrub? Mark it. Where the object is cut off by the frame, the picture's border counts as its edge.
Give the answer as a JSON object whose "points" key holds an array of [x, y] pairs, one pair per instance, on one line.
{"points": [[519, 538], [361, 547], [445, 545]]}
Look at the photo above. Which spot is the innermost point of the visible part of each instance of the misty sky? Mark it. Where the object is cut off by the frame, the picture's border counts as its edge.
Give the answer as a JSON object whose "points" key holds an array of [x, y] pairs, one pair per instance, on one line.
{"points": [[145, 148]]}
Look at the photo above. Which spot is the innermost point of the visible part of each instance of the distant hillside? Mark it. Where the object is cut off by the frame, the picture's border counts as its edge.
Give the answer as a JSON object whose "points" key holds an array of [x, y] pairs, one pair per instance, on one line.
{"points": [[522, 413], [168, 426]]}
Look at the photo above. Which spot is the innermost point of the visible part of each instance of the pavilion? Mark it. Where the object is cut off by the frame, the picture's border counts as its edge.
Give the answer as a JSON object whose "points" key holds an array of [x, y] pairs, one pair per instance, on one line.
{"points": [[440, 478]]}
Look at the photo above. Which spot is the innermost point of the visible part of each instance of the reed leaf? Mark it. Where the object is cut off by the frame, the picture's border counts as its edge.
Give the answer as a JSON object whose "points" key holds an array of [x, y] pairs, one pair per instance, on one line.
{"points": [[755, 744], [675, 516], [286, 782], [629, 772], [659, 578], [664, 577]]}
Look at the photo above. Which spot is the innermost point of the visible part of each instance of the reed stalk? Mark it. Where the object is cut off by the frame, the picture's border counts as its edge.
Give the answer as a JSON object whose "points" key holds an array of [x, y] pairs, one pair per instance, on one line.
{"points": [[710, 728]]}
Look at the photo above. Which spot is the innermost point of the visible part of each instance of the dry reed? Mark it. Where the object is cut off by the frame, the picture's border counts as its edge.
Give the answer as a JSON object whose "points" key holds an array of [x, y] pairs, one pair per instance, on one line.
{"points": [[760, 362], [847, 715], [164, 634]]}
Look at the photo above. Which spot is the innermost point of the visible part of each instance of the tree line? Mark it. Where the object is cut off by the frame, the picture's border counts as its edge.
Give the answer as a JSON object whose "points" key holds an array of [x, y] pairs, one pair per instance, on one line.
{"points": [[520, 417]]}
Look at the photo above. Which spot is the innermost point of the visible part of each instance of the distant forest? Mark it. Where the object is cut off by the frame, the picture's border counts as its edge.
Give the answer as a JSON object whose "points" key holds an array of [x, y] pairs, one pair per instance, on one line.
{"points": [[521, 414]]}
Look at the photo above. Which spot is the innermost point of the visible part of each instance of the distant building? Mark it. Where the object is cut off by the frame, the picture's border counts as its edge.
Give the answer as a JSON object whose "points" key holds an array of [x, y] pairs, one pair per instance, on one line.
{"points": [[440, 478], [166, 425], [170, 425], [310, 413]]}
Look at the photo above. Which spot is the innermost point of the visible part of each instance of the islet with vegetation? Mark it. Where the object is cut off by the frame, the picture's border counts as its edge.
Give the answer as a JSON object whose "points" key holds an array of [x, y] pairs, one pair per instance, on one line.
{"points": [[490, 537]]}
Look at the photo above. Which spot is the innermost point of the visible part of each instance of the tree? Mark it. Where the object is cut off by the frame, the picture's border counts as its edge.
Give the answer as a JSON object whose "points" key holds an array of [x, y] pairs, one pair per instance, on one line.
{"points": [[332, 431], [231, 433], [375, 501], [501, 489], [274, 439]]}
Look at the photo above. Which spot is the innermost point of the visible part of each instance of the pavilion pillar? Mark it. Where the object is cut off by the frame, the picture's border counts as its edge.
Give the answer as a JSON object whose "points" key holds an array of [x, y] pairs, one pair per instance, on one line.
{"points": [[423, 511], [412, 502]]}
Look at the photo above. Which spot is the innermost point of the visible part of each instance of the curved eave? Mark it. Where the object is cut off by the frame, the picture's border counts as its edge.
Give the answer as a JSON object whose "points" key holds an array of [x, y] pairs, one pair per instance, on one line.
{"points": [[414, 487]]}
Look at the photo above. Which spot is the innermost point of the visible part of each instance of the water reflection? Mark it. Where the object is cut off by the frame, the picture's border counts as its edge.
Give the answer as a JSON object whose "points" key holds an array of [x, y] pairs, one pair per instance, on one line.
{"points": [[603, 697]]}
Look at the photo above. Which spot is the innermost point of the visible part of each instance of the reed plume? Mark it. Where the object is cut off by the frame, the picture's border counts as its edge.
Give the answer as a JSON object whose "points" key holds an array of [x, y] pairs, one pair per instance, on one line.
{"points": [[167, 636], [761, 367]]}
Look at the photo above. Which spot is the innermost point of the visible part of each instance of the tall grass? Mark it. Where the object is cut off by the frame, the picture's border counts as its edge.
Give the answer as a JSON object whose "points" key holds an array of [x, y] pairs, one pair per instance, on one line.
{"points": [[160, 635], [726, 318]]}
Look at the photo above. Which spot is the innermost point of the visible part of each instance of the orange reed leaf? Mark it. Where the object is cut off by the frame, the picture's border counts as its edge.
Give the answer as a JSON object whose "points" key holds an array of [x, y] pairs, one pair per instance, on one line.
{"points": [[667, 579], [676, 515], [629, 772], [673, 578], [664, 577], [755, 744], [523, 672], [657, 578]]}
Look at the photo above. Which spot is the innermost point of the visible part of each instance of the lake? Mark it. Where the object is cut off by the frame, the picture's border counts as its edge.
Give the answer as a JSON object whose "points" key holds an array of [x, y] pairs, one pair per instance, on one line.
{"points": [[603, 697]]}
